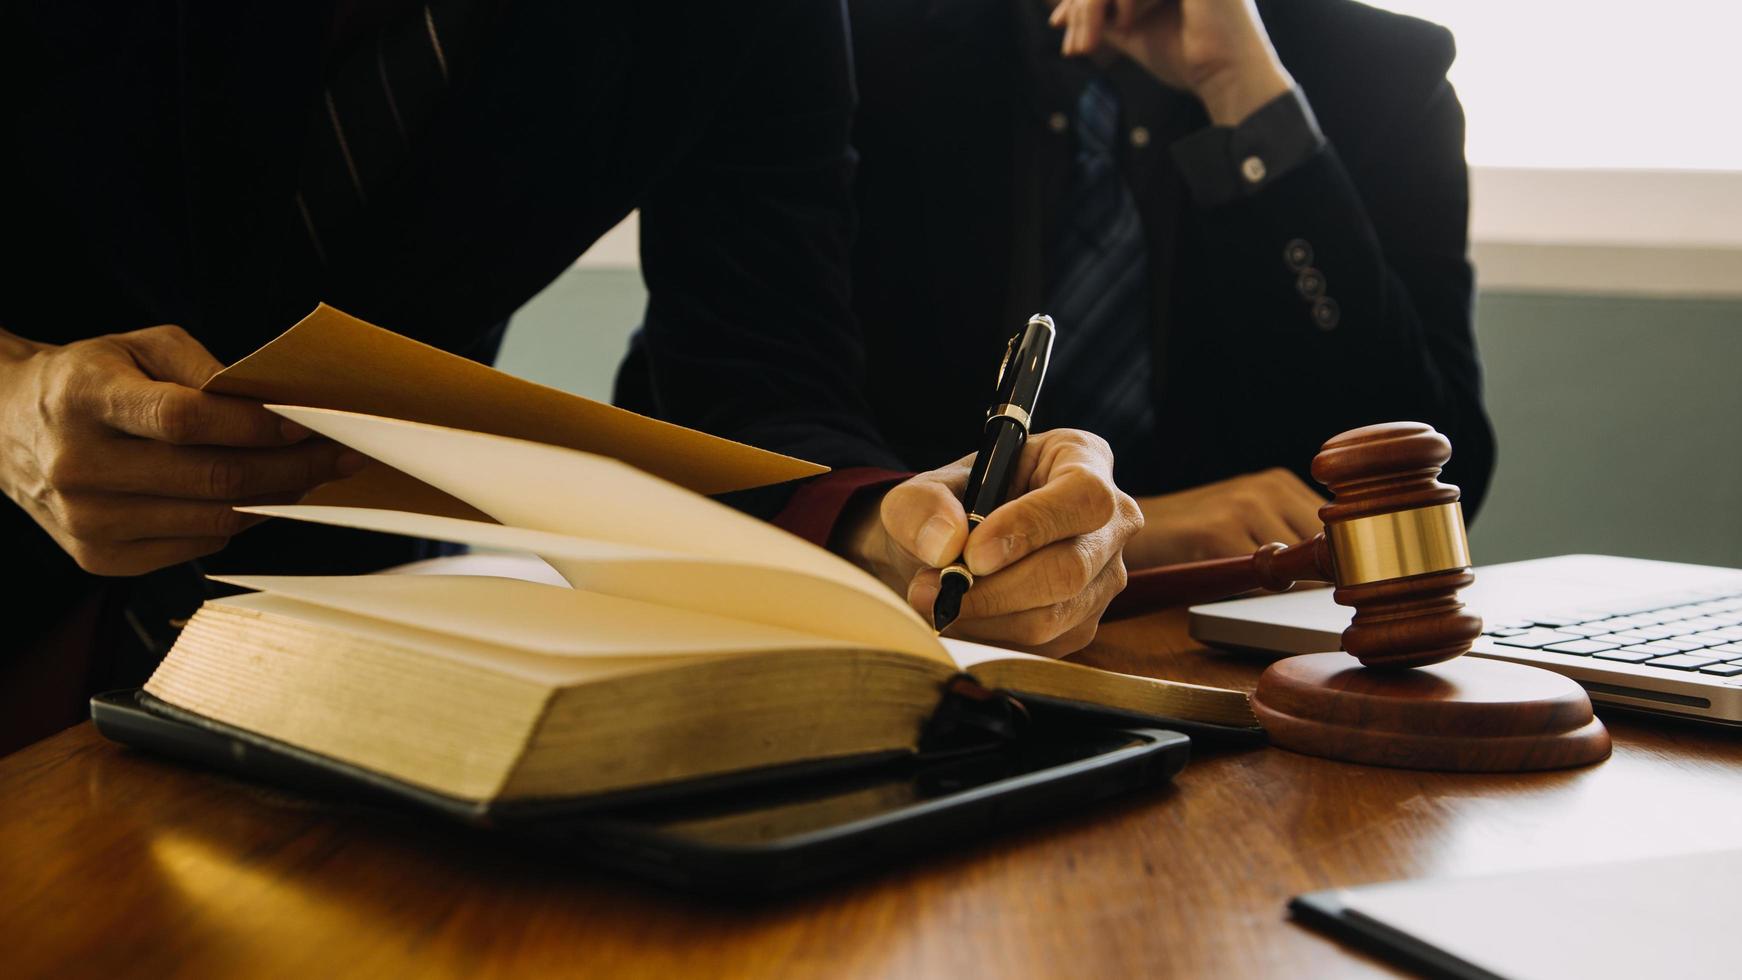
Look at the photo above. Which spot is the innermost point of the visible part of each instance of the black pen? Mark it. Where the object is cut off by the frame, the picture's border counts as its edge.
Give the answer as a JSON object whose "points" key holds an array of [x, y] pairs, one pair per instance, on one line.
{"points": [[1018, 388]]}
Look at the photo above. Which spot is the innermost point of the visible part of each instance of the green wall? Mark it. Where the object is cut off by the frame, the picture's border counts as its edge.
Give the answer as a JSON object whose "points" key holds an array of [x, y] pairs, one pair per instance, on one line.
{"points": [[1619, 419], [1620, 427], [573, 334]]}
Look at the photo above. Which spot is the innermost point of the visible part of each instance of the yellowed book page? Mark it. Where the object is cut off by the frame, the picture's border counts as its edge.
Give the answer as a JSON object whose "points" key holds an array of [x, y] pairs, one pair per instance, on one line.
{"points": [[549, 488], [496, 564], [967, 653], [745, 589], [333, 360], [546, 619], [1026, 673], [509, 661], [455, 724]]}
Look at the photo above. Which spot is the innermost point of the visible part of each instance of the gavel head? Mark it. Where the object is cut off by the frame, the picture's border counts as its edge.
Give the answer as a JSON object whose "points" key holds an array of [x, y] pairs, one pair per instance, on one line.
{"points": [[1395, 534]]}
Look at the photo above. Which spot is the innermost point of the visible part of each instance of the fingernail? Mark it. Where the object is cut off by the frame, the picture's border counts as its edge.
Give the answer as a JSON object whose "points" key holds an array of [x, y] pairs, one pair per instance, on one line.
{"points": [[987, 555], [933, 541], [351, 463], [293, 432]]}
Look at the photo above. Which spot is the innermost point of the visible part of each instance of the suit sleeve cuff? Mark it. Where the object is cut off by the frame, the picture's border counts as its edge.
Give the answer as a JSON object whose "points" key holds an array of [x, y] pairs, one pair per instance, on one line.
{"points": [[1222, 164], [816, 507]]}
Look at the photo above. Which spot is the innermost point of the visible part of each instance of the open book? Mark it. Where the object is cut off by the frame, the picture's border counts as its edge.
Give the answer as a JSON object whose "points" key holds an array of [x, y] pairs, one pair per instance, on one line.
{"points": [[690, 640]]}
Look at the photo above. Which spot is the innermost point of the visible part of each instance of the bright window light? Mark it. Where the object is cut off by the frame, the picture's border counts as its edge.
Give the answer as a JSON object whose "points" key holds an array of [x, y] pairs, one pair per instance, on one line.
{"points": [[1598, 84]]}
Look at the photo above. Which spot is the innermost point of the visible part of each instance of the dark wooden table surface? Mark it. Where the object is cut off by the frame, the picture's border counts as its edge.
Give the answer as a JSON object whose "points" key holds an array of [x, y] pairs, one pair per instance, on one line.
{"points": [[113, 863]]}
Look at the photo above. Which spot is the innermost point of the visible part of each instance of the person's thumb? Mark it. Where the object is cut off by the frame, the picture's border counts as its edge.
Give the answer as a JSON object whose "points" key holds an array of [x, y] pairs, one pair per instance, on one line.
{"points": [[924, 516]]}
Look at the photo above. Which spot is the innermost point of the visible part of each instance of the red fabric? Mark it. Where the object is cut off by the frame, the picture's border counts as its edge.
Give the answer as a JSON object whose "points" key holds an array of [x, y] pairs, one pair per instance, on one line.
{"points": [[816, 507]]}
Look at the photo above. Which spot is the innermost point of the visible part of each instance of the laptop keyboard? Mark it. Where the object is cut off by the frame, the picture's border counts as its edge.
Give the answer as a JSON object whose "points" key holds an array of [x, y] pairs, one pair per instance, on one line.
{"points": [[1697, 632]]}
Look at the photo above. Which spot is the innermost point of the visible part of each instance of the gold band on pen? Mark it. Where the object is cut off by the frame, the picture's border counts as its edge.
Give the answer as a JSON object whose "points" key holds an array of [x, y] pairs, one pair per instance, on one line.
{"points": [[1015, 413], [958, 569], [1399, 544]]}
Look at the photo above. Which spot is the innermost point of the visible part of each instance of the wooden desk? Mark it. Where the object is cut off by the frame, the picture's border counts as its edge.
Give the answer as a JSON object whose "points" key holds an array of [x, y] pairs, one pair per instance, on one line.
{"points": [[113, 863]]}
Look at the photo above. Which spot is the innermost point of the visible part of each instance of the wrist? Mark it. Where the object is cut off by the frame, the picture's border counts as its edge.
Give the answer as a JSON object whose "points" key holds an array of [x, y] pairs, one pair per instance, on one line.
{"points": [[1239, 88], [14, 348]]}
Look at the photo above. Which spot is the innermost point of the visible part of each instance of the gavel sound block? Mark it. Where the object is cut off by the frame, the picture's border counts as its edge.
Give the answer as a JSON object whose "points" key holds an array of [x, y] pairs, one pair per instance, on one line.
{"points": [[1402, 695]]}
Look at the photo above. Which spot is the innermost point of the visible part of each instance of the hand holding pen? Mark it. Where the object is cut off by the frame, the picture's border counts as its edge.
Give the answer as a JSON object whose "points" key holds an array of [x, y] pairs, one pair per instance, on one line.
{"points": [[1016, 395], [1045, 564]]}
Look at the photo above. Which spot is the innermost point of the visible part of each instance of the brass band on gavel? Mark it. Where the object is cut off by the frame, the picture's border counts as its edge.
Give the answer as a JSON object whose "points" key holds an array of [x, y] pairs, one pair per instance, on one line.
{"points": [[1399, 544]]}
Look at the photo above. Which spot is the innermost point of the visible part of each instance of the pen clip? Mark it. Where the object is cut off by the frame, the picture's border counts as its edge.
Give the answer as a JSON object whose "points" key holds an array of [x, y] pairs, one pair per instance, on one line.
{"points": [[1009, 352]]}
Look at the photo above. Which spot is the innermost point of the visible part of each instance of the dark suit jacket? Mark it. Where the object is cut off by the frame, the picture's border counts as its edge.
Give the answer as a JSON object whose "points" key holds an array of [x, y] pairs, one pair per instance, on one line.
{"points": [[151, 154], [1244, 379]]}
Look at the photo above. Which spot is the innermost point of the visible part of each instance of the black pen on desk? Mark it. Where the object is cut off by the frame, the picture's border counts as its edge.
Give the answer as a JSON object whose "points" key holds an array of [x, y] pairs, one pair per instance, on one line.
{"points": [[1005, 433]]}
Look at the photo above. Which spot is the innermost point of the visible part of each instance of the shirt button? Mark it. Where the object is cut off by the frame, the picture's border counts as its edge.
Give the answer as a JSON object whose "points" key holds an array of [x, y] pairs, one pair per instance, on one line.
{"points": [[1140, 136], [1298, 254], [1326, 314], [1252, 169], [1310, 283], [1058, 122]]}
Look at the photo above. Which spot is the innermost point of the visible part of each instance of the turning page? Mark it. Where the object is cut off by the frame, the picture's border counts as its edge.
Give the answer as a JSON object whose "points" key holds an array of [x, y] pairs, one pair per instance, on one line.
{"points": [[333, 360], [549, 488], [749, 590]]}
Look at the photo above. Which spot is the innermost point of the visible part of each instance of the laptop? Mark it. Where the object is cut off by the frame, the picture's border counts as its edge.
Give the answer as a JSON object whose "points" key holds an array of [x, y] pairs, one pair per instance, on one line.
{"points": [[1655, 636]]}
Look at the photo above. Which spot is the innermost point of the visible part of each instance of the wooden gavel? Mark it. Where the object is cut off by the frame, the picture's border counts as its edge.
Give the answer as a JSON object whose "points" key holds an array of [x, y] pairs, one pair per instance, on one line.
{"points": [[1393, 544]]}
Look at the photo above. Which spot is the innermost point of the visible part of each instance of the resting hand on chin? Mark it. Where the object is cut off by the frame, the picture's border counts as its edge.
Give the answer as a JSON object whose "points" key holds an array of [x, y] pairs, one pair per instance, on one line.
{"points": [[1215, 49]]}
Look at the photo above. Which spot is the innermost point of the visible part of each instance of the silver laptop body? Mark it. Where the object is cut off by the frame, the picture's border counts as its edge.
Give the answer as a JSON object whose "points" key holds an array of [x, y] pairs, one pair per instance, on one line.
{"points": [[1650, 635]]}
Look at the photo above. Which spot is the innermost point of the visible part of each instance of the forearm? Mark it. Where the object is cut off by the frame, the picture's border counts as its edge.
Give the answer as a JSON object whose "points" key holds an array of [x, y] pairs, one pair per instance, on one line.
{"points": [[14, 348], [1306, 266], [1350, 305], [1233, 88], [1372, 333], [1301, 265], [1368, 288]]}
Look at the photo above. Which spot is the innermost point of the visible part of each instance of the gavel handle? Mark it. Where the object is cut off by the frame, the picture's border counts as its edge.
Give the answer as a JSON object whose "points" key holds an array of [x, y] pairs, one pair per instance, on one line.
{"points": [[1271, 567]]}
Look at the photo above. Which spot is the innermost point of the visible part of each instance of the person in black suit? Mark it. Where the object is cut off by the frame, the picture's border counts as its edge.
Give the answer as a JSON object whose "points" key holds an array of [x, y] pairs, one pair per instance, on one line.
{"points": [[1249, 221], [221, 167]]}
